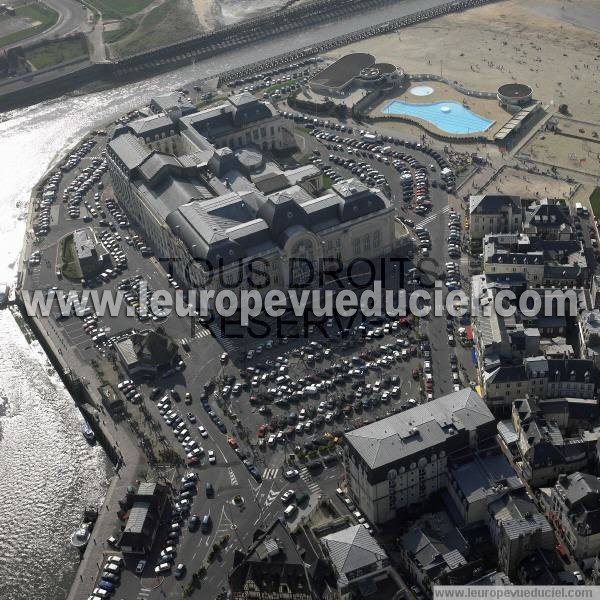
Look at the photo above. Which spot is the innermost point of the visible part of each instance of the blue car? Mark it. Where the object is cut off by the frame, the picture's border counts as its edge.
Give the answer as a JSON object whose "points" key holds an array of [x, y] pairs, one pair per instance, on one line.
{"points": [[106, 585]]}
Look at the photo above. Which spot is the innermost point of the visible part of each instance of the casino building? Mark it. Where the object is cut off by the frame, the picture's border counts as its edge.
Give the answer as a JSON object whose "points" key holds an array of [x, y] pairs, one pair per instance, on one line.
{"points": [[211, 210]]}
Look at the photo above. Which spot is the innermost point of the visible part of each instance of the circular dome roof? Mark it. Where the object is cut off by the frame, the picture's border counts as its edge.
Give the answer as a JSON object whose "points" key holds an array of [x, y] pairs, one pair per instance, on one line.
{"points": [[251, 157], [515, 91]]}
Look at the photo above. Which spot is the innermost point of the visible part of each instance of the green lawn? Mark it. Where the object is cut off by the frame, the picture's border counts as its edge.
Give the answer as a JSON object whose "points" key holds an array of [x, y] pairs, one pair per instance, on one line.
{"points": [[278, 86], [70, 263], [127, 26], [116, 9], [37, 12], [172, 21], [55, 52], [595, 202], [210, 102]]}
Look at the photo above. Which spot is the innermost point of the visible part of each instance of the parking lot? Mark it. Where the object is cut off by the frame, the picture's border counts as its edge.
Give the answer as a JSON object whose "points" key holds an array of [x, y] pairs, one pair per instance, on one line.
{"points": [[241, 413]]}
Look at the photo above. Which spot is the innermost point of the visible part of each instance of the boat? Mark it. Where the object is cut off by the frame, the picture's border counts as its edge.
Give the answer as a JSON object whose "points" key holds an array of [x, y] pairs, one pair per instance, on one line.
{"points": [[82, 536], [90, 514], [4, 289], [88, 433]]}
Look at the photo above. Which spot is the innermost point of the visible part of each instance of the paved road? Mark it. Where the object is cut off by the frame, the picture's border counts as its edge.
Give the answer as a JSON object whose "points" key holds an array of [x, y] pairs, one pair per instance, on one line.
{"points": [[72, 17]]}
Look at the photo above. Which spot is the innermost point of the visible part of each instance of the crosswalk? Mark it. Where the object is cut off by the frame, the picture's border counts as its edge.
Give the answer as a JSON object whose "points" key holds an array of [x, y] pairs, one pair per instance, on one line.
{"points": [[228, 344], [434, 216], [201, 332], [143, 594], [232, 477], [270, 474], [311, 484]]}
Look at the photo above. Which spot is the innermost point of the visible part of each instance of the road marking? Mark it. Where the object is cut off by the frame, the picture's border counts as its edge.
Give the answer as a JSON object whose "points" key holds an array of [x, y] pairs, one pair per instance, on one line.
{"points": [[311, 484], [222, 454], [270, 474], [434, 216], [273, 495], [232, 477]]}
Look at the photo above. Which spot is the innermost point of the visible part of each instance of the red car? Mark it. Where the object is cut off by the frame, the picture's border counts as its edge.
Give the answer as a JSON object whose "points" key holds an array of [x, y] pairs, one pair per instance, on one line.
{"points": [[232, 442], [562, 551]]}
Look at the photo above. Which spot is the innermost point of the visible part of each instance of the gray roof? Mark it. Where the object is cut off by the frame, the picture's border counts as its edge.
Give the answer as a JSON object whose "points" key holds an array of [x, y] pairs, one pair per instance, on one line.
{"points": [[236, 113], [435, 543], [172, 101], [130, 150], [525, 525], [137, 517], [485, 476], [507, 373], [415, 430], [203, 225], [153, 125], [351, 549], [493, 203]]}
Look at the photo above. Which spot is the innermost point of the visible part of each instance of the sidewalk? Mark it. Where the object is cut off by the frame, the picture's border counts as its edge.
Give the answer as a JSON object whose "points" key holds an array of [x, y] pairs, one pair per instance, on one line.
{"points": [[107, 522], [120, 437]]}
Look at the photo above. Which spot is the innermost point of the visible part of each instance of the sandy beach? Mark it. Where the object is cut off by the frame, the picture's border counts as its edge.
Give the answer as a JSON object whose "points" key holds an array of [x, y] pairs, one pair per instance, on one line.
{"points": [[513, 41]]}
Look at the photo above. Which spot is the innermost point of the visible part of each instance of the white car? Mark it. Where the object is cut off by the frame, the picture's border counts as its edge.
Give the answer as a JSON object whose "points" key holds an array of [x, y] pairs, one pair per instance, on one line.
{"points": [[291, 473], [162, 568], [203, 432], [287, 496], [212, 459]]}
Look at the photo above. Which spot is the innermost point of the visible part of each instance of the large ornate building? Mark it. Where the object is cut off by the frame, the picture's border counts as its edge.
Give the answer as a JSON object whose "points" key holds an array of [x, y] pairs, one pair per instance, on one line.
{"points": [[201, 205]]}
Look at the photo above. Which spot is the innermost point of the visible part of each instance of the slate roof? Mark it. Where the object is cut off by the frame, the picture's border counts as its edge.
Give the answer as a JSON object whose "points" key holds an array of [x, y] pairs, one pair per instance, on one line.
{"points": [[351, 549], [130, 150], [417, 429], [481, 477], [435, 544], [493, 203], [172, 101], [547, 215], [273, 559], [151, 126], [221, 240], [236, 113]]}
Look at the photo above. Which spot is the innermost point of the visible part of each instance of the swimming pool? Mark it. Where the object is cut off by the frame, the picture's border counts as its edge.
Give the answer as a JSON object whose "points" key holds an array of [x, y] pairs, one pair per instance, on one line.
{"points": [[447, 116]]}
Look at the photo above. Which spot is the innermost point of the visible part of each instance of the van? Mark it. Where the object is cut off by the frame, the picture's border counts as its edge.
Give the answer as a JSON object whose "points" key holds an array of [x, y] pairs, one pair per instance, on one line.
{"points": [[290, 511], [206, 523]]}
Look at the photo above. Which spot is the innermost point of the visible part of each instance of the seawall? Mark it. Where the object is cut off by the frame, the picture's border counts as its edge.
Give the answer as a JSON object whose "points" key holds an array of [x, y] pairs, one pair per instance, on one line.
{"points": [[69, 77]]}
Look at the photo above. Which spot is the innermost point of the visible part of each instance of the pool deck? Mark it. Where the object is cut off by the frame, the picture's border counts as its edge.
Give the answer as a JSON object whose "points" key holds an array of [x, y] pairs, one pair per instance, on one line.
{"points": [[490, 109]]}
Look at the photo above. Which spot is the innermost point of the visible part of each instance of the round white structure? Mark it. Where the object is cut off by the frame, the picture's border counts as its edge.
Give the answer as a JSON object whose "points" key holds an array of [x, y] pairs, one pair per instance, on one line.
{"points": [[421, 90]]}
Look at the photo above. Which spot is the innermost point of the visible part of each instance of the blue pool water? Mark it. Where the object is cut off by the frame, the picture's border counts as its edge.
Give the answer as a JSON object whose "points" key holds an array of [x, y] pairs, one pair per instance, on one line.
{"points": [[447, 116]]}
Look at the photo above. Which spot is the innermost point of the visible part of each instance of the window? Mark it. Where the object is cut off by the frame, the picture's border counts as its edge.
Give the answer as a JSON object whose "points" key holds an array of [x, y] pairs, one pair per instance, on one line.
{"points": [[263, 132], [272, 130], [356, 246], [255, 134], [376, 239], [366, 242]]}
